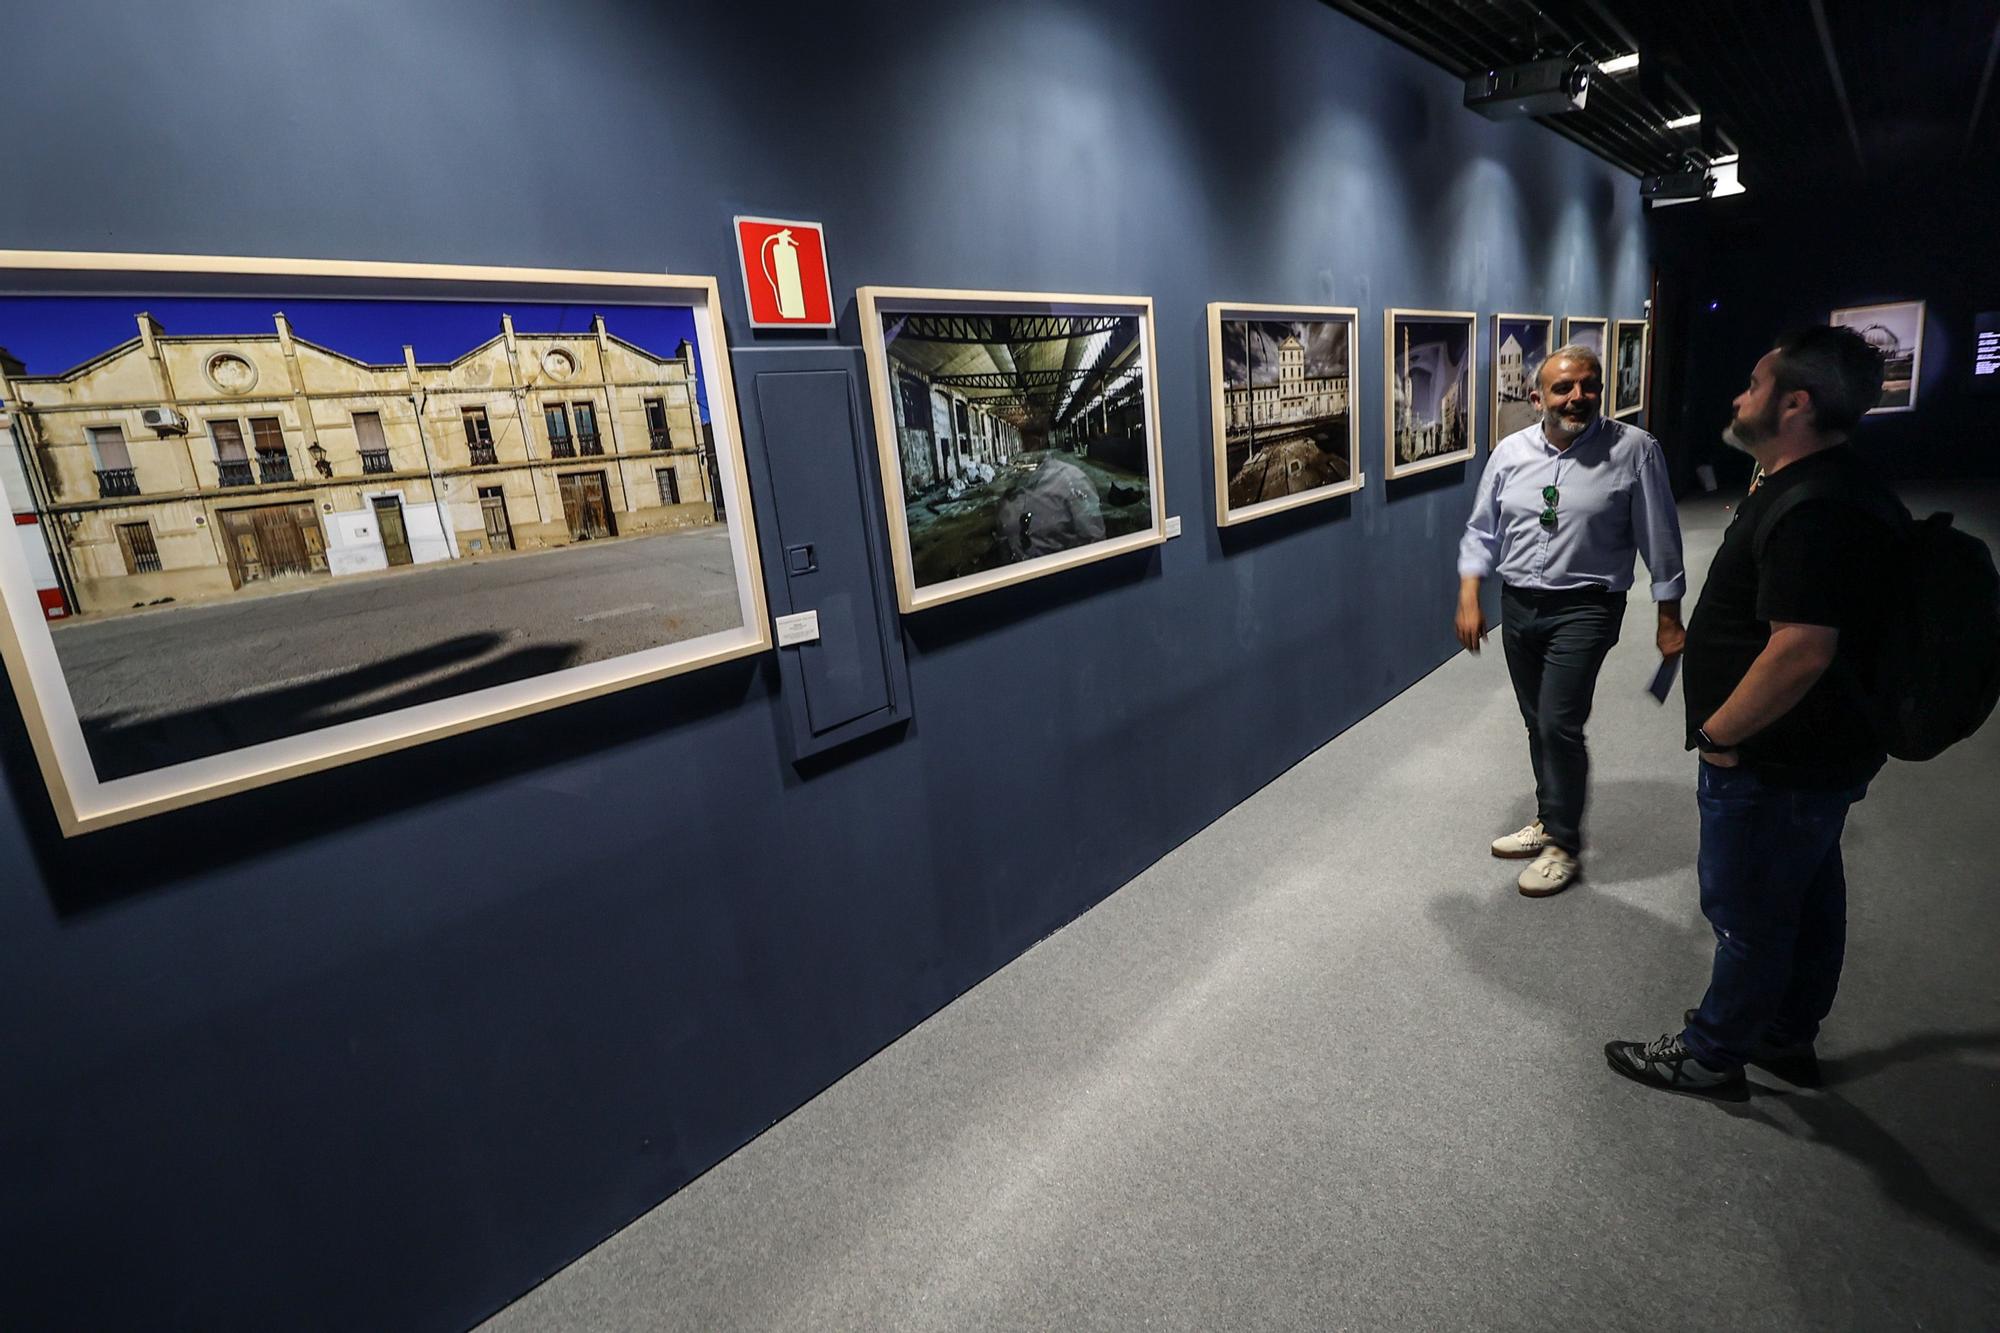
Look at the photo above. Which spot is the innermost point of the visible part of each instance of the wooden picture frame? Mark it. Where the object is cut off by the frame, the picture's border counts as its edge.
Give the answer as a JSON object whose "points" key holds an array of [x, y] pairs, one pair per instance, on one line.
{"points": [[1015, 480], [1434, 444], [1304, 412], [1627, 399], [1507, 379], [1593, 331], [366, 461], [1896, 329]]}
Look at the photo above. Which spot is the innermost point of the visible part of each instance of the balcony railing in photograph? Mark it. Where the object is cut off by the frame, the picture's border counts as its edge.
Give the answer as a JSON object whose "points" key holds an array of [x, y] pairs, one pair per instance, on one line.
{"points": [[561, 449], [483, 455], [274, 468], [588, 443], [235, 474], [375, 460], [116, 481]]}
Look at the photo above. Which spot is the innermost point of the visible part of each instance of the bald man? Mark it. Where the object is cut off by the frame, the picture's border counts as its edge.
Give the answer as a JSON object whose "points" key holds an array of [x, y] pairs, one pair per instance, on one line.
{"points": [[1563, 507]]}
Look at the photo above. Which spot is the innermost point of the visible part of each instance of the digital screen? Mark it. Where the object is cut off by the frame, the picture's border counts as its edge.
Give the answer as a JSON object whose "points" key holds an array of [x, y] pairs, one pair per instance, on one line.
{"points": [[1986, 352]]}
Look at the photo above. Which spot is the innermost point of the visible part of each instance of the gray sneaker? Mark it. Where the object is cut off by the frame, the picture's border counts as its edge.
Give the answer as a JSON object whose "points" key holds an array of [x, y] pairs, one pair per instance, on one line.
{"points": [[1796, 1062], [1520, 846], [1668, 1065]]}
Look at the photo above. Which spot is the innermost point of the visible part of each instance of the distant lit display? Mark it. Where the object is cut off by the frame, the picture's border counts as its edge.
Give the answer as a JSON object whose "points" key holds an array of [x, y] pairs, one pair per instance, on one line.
{"points": [[1986, 352]]}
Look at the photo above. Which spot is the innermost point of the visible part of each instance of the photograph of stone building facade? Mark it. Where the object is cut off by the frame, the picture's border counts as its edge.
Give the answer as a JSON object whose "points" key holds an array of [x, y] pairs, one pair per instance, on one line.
{"points": [[1287, 417], [1431, 390], [261, 533], [1520, 345], [186, 468], [1017, 435]]}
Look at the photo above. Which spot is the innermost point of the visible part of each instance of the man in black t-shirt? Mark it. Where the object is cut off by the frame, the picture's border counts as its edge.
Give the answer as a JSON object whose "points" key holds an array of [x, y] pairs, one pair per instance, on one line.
{"points": [[1777, 665]]}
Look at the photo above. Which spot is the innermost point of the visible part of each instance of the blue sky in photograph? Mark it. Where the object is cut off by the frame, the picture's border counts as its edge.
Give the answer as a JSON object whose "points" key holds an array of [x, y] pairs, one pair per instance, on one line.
{"points": [[51, 334]]}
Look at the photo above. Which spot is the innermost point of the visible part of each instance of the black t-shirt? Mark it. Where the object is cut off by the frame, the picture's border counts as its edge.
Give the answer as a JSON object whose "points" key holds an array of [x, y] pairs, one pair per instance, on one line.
{"points": [[1823, 564]]}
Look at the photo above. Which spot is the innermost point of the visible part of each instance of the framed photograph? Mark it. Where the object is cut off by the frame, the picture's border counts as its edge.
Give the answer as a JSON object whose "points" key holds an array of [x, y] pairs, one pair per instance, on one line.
{"points": [[1626, 368], [1520, 344], [1429, 379], [1018, 434], [276, 515], [1897, 331], [1587, 331], [1281, 383]]}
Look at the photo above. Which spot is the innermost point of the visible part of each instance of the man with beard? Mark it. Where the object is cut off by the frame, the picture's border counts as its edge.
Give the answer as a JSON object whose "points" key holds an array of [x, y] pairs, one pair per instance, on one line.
{"points": [[1562, 508], [1778, 657]]}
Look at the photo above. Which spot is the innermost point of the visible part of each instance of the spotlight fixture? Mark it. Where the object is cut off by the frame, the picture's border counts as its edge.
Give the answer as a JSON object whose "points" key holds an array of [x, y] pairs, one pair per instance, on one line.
{"points": [[1687, 122], [1624, 64]]}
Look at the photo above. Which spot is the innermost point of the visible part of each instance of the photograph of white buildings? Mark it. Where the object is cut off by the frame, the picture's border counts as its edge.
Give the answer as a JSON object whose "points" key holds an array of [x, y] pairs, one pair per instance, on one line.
{"points": [[1520, 345], [264, 518], [1285, 407], [1429, 360]]}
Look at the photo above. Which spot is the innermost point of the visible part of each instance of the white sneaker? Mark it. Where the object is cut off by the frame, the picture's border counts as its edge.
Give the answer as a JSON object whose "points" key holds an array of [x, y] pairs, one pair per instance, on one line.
{"points": [[1551, 872], [1517, 846]]}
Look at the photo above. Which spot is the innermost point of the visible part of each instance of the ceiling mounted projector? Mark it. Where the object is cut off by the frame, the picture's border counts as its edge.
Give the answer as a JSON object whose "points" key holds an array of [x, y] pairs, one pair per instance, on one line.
{"points": [[1690, 182], [1538, 88]]}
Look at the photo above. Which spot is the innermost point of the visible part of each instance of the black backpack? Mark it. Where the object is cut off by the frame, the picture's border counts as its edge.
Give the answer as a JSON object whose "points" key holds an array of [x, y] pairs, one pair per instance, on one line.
{"points": [[1936, 670]]}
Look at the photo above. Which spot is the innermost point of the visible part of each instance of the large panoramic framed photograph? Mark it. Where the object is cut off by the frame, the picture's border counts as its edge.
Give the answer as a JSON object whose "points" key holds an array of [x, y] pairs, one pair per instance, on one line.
{"points": [[1896, 330], [1590, 331], [1429, 390], [1626, 367], [1018, 434], [271, 516], [1520, 344], [1281, 383]]}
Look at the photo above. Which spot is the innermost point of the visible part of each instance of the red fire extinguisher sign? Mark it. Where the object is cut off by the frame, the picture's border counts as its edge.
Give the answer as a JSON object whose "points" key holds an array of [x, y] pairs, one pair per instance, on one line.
{"points": [[785, 281]]}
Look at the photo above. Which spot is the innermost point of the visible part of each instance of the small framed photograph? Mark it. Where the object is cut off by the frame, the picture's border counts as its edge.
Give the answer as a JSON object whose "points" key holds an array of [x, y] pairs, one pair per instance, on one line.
{"points": [[1281, 403], [1429, 389], [272, 516], [1587, 331], [1626, 368], [1520, 344], [1018, 434], [1897, 331]]}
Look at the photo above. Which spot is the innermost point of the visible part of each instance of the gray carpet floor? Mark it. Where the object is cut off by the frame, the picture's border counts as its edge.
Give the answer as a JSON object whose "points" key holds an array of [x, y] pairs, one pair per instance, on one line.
{"points": [[1322, 1068]]}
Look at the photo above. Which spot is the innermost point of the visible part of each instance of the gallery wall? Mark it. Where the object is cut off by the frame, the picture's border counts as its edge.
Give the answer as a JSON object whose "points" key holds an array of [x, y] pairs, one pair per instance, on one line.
{"points": [[1737, 272], [385, 1046]]}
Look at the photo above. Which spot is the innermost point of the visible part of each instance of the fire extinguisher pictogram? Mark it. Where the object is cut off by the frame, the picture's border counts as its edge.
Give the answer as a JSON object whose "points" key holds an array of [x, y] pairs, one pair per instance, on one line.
{"points": [[779, 256]]}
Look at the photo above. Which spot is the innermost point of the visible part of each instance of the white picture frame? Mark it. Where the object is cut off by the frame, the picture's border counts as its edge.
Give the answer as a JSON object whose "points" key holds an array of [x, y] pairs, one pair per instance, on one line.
{"points": [[1233, 407]]}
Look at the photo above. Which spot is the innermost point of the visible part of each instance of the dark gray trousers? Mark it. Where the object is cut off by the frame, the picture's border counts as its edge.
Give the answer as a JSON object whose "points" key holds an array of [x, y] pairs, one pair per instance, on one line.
{"points": [[1555, 643]]}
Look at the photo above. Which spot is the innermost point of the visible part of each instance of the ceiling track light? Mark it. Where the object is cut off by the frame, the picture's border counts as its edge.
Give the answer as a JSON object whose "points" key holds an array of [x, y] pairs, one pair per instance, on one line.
{"points": [[1686, 122], [1624, 64]]}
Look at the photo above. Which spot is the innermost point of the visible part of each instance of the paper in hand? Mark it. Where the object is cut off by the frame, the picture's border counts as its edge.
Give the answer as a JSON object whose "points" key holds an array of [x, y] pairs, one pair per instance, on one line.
{"points": [[1662, 682]]}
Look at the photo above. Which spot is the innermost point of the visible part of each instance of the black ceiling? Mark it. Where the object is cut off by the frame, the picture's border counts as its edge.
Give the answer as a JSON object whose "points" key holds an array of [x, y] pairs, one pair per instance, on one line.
{"points": [[1806, 90]]}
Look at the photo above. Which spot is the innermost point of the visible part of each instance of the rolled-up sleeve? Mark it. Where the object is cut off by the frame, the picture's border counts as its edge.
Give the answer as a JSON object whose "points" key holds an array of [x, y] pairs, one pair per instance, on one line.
{"points": [[1657, 523], [1479, 549]]}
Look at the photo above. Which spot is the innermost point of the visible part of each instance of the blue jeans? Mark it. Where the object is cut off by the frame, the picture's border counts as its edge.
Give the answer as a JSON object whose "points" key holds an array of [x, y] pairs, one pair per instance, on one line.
{"points": [[1773, 888]]}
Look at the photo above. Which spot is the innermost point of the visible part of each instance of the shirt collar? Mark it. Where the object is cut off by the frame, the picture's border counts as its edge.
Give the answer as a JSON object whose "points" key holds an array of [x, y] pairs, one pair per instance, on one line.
{"points": [[1590, 433]]}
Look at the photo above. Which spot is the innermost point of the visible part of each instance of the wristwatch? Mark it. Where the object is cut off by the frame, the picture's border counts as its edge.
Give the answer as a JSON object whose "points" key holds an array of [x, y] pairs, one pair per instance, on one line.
{"points": [[1707, 744]]}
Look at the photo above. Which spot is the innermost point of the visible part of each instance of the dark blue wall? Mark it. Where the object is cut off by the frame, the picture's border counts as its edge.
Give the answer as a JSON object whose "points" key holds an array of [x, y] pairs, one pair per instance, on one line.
{"points": [[383, 1047]]}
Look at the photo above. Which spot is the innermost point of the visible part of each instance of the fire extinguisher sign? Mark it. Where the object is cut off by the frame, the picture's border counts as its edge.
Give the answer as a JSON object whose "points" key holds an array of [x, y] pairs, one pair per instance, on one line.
{"points": [[785, 281]]}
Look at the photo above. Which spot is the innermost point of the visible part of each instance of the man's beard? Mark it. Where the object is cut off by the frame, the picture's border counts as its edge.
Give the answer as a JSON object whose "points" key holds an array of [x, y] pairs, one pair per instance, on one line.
{"points": [[1568, 427], [1746, 433]]}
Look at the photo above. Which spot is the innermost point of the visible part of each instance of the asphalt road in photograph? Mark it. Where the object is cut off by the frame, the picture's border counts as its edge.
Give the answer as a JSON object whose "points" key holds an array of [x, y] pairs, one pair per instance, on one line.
{"points": [[176, 682]]}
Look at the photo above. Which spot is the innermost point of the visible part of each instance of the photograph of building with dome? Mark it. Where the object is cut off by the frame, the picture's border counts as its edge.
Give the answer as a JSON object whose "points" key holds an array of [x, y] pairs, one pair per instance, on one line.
{"points": [[1520, 344], [274, 522], [1429, 390], [1017, 434], [1281, 382], [1896, 330], [1625, 368]]}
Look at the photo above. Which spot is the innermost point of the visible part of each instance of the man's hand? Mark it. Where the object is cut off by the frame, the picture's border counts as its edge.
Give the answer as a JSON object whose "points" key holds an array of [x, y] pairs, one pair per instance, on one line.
{"points": [[1672, 637], [1471, 624], [1720, 758]]}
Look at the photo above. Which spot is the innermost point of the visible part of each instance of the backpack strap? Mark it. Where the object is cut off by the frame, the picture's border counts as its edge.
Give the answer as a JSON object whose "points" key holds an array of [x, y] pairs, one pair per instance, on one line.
{"points": [[1880, 505]]}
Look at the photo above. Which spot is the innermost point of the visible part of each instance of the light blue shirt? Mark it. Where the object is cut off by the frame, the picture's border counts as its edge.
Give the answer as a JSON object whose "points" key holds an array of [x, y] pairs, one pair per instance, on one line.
{"points": [[1615, 501]]}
